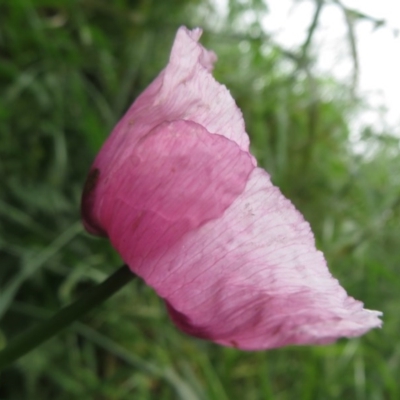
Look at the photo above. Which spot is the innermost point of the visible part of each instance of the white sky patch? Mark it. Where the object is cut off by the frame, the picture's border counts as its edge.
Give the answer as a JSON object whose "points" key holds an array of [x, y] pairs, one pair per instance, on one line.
{"points": [[378, 49], [221, 8]]}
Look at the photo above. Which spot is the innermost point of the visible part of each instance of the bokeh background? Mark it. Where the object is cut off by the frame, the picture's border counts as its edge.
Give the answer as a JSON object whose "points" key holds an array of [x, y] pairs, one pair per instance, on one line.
{"points": [[68, 71]]}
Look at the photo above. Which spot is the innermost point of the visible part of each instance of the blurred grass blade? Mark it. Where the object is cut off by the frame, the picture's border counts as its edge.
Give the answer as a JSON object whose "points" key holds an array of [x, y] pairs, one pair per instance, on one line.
{"points": [[33, 265]]}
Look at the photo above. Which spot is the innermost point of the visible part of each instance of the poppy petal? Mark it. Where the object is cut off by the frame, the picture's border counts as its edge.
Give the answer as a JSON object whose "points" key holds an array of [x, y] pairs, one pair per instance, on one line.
{"points": [[253, 278]]}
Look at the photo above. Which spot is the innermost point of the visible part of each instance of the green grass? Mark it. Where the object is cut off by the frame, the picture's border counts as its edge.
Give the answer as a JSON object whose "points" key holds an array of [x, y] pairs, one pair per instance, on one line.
{"points": [[68, 71]]}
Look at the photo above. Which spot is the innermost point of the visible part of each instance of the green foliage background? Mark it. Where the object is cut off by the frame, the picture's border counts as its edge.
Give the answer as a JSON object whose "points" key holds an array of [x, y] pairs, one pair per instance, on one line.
{"points": [[68, 71]]}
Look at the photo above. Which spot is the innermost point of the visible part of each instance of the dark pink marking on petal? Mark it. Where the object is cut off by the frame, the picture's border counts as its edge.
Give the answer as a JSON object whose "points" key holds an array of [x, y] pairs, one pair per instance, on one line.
{"points": [[175, 179], [88, 203]]}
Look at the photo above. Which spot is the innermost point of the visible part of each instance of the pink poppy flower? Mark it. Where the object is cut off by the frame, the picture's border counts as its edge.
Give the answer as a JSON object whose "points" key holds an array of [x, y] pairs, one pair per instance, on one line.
{"points": [[180, 197]]}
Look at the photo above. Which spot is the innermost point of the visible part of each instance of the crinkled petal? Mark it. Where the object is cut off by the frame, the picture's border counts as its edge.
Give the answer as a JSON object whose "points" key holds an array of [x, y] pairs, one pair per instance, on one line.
{"points": [[253, 278], [177, 177], [177, 192], [185, 89]]}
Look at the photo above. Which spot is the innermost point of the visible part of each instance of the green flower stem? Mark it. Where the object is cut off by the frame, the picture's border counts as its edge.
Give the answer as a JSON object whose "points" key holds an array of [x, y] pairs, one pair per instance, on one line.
{"points": [[47, 329]]}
